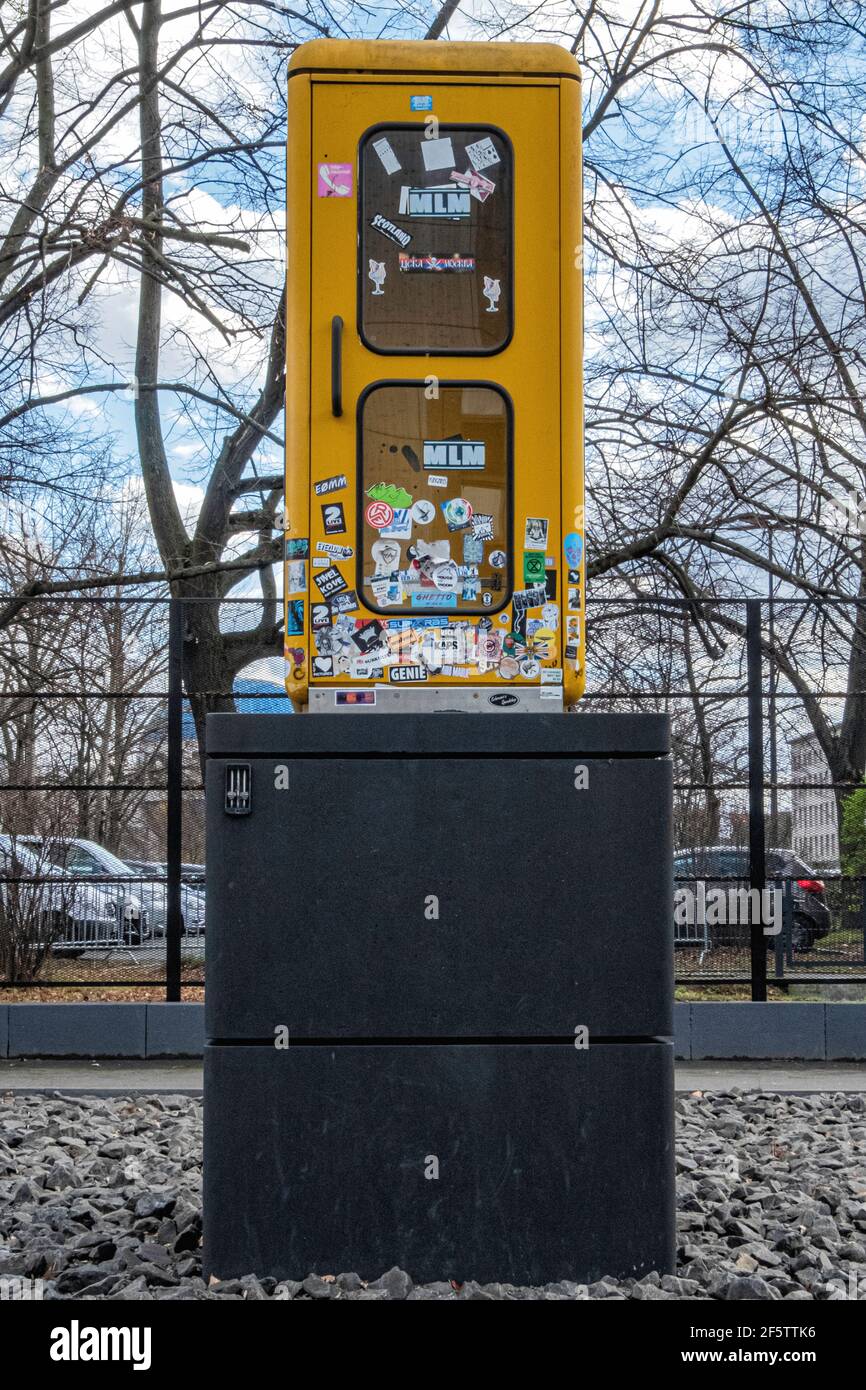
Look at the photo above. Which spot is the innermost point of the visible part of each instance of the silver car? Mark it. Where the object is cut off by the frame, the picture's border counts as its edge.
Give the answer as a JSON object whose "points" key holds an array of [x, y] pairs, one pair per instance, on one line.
{"points": [[63, 917], [87, 859]]}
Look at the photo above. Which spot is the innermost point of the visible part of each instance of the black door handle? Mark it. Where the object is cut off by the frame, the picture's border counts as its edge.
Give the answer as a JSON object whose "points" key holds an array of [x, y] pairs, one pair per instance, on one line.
{"points": [[336, 365]]}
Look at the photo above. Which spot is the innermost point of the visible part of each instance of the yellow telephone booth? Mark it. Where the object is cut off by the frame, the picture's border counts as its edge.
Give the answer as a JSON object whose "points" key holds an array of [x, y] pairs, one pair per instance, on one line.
{"points": [[434, 477]]}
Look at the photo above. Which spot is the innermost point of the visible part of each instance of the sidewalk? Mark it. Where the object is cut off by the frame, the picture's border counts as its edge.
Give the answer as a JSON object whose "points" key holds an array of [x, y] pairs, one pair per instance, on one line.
{"points": [[121, 1077]]}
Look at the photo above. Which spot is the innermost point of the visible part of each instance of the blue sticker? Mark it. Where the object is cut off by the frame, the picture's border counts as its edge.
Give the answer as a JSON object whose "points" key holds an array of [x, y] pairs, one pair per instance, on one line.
{"points": [[573, 548], [420, 103], [431, 598], [295, 617], [297, 549]]}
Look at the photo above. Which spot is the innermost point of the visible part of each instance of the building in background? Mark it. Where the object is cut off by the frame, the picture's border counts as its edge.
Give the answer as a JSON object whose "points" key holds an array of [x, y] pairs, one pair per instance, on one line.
{"points": [[815, 830]]}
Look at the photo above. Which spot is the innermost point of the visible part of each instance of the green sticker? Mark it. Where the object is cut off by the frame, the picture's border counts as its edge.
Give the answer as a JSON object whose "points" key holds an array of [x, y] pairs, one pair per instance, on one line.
{"points": [[390, 493], [533, 565]]}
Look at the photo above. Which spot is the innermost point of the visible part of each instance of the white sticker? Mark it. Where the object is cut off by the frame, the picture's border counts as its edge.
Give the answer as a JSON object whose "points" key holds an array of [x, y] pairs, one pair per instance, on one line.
{"points": [[437, 154], [423, 512], [437, 480], [535, 535], [482, 153], [296, 577], [551, 675], [550, 694], [390, 162]]}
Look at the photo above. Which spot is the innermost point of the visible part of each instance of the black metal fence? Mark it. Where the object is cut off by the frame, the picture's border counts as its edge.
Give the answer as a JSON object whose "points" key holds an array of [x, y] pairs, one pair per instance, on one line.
{"points": [[102, 858]]}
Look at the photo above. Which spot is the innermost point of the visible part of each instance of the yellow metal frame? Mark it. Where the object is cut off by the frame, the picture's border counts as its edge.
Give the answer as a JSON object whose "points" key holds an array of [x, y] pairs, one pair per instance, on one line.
{"points": [[375, 78]]}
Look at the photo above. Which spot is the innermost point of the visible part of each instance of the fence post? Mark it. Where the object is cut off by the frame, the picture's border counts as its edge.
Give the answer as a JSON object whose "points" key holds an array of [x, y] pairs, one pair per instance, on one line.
{"points": [[757, 843], [174, 801]]}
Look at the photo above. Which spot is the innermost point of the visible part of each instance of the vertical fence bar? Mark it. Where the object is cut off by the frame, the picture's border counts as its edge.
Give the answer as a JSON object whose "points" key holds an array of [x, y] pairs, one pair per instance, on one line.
{"points": [[174, 801], [757, 842]]}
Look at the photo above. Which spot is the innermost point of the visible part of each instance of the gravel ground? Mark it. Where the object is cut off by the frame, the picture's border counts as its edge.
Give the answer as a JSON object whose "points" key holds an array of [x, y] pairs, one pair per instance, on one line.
{"points": [[100, 1197]]}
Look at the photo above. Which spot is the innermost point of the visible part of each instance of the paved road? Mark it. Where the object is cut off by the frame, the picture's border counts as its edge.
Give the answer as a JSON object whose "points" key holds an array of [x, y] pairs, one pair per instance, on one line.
{"points": [[120, 1077]]}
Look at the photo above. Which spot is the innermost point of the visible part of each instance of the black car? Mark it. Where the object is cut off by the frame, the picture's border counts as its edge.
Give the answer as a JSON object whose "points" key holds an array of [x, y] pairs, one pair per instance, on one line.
{"points": [[727, 867]]}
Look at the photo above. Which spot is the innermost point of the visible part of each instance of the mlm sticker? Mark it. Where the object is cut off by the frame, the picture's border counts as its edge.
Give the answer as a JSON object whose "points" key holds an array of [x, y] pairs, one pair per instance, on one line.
{"points": [[482, 154], [333, 519], [379, 514], [333, 484], [335, 180], [461, 264], [390, 230], [440, 202], [454, 453], [330, 582], [401, 674]]}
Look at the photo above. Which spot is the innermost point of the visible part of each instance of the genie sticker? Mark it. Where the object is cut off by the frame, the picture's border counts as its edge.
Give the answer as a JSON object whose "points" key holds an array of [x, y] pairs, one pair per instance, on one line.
{"points": [[573, 549]]}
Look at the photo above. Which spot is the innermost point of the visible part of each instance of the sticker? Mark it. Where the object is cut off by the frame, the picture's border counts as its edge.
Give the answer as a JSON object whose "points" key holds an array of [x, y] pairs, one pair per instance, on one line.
{"points": [[295, 617], [320, 563], [482, 526], [400, 674], [386, 556], [379, 514], [333, 519], [320, 616], [482, 154], [508, 668], [423, 511], [434, 550], [533, 566], [420, 103], [378, 274], [330, 581], [492, 290], [535, 534], [435, 480], [461, 264], [530, 668], [479, 187], [550, 615], [336, 552], [297, 549], [387, 158], [390, 230], [440, 201], [335, 180], [574, 576], [333, 484], [368, 637], [323, 665], [400, 526], [573, 600], [572, 630], [504, 618], [551, 675], [473, 550], [354, 697], [432, 599], [498, 559], [296, 577], [437, 154], [550, 694], [571, 653], [390, 493], [345, 603], [457, 512], [469, 591], [454, 453], [446, 577], [573, 546]]}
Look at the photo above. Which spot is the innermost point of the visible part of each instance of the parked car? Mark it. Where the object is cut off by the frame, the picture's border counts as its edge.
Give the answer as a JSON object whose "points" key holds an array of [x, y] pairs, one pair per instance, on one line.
{"points": [[87, 858], [727, 866], [73, 918]]}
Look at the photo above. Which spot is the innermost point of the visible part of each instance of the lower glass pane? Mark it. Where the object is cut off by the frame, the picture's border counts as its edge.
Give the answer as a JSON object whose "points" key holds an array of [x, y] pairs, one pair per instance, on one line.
{"points": [[435, 481]]}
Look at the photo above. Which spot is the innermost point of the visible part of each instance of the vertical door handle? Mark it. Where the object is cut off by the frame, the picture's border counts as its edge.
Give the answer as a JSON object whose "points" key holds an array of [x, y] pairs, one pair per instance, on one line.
{"points": [[336, 365]]}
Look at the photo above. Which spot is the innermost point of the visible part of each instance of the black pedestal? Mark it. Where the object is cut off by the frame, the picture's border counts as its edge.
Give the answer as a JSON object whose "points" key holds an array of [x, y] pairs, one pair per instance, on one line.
{"points": [[428, 908]]}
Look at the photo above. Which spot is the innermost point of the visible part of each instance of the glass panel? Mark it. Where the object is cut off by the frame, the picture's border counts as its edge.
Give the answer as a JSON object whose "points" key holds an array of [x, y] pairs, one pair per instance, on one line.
{"points": [[435, 240], [435, 479]]}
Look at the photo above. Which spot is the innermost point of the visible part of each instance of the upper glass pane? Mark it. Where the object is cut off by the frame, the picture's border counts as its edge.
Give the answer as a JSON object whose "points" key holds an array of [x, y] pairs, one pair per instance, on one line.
{"points": [[435, 241]]}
